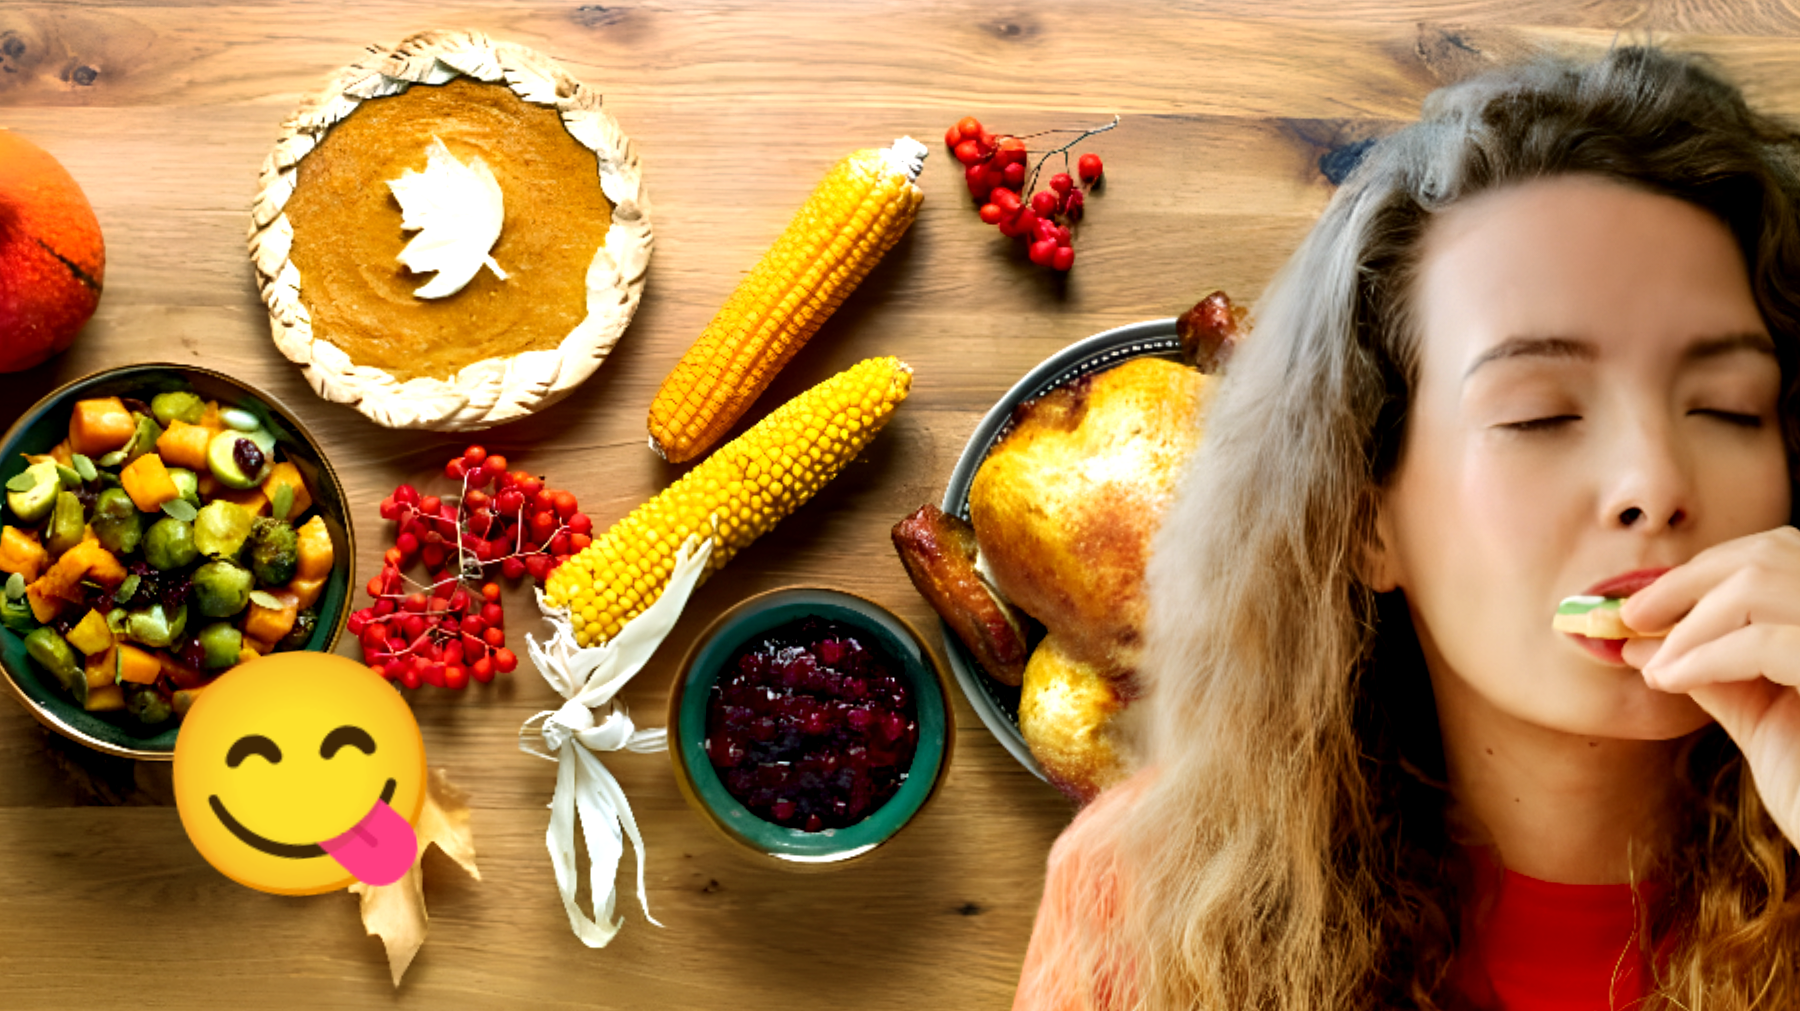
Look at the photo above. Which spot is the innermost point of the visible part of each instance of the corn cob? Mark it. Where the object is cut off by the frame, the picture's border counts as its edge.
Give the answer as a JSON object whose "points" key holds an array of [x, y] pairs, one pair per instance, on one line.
{"points": [[855, 215], [742, 491]]}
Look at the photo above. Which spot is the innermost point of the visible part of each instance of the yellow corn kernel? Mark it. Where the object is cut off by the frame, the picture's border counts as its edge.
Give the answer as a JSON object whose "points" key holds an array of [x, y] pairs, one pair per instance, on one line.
{"points": [[625, 569], [851, 220]]}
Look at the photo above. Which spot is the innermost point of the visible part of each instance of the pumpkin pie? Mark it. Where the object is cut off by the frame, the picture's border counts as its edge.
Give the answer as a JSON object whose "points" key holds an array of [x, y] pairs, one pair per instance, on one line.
{"points": [[451, 234]]}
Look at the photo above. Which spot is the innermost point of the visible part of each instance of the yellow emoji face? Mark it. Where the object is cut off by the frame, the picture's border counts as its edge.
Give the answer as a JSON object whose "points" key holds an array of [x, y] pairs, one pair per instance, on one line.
{"points": [[298, 773]]}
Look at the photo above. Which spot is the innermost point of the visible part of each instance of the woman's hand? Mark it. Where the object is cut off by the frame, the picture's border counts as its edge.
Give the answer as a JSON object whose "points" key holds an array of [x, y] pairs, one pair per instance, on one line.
{"points": [[1733, 612]]}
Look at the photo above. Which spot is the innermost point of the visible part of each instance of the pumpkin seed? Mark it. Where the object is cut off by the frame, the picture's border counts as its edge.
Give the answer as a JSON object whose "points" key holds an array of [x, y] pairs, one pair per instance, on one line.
{"points": [[240, 419]]}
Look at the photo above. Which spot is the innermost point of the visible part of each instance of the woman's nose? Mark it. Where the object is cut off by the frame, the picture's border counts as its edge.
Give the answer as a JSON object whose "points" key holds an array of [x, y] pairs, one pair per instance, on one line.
{"points": [[1652, 485]]}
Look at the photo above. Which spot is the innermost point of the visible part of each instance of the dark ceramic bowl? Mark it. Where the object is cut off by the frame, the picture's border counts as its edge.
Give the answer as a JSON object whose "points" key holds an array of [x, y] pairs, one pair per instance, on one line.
{"points": [[47, 423], [739, 629]]}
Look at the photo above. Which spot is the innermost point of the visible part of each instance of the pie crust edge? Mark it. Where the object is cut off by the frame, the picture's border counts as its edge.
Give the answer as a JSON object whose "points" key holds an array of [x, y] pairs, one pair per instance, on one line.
{"points": [[494, 390]]}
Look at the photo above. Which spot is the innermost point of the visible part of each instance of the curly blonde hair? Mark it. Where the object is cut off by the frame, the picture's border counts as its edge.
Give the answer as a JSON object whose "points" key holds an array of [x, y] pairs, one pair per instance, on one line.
{"points": [[1293, 849]]}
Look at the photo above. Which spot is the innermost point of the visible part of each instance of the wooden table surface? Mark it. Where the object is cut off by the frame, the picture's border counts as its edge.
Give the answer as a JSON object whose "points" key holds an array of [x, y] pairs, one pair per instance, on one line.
{"points": [[1235, 115]]}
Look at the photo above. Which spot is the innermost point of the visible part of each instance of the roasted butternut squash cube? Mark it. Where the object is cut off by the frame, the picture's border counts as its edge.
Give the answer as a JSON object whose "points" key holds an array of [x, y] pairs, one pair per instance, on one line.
{"points": [[62, 581], [148, 483], [100, 668], [90, 635], [138, 666], [316, 553], [180, 674], [184, 445], [98, 427], [44, 606], [106, 698], [251, 499], [306, 591], [20, 552], [86, 560], [269, 624], [285, 473]]}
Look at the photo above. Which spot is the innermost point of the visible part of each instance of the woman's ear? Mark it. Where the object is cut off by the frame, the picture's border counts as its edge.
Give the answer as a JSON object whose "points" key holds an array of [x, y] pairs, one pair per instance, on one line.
{"points": [[1378, 568]]}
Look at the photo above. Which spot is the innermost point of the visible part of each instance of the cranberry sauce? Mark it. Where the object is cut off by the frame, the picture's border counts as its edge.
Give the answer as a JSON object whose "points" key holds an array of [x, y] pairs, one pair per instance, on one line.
{"points": [[810, 727]]}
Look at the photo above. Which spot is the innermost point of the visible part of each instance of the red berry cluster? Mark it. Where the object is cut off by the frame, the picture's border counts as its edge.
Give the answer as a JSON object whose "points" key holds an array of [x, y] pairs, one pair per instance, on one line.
{"points": [[997, 177], [446, 632]]}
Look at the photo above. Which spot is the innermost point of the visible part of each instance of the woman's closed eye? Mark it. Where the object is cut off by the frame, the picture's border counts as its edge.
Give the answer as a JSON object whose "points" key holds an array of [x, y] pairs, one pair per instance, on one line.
{"points": [[1546, 423], [1737, 418]]}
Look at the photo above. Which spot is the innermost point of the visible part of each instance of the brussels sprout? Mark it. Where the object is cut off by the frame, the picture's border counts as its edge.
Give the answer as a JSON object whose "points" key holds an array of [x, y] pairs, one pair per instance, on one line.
{"points": [[147, 704], [304, 623], [169, 544], [116, 522], [236, 460], [68, 522], [221, 589], [55, 655], [221, 528], [181, 406], [156, 626], [222, 643], [187, 484], [274, 552], [39, 494]]}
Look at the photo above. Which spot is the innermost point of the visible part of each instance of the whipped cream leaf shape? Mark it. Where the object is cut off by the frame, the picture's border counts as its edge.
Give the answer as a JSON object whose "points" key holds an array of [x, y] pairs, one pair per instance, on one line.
{"points": [[457, 211]]}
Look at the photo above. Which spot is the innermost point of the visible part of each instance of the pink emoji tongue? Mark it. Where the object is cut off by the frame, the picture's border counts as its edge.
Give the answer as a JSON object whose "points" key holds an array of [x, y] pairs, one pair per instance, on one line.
{"points": [[379, 850]]}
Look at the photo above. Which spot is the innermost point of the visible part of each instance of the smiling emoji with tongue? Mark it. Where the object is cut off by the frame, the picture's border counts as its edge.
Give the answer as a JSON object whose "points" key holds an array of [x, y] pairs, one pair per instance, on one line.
{"points": [[298, 773]]}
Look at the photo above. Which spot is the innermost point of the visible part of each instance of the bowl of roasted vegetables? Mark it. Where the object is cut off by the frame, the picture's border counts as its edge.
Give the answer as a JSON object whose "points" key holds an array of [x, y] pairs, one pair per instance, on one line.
{"points": [[161, 524]]}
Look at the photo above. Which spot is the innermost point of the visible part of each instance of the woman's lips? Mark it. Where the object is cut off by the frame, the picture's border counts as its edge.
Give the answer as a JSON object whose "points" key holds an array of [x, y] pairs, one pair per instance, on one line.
{"points": [[1610, 651], [1625, 584]]}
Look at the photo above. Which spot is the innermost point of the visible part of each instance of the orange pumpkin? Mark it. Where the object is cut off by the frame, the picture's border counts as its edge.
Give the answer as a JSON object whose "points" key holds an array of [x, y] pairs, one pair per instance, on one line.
{"points": [[52, 259]]}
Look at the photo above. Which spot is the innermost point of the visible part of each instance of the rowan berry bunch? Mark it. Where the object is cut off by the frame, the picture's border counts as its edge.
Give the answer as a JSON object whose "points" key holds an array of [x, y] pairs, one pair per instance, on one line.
{"points": [[451, 629], [994, 168]]}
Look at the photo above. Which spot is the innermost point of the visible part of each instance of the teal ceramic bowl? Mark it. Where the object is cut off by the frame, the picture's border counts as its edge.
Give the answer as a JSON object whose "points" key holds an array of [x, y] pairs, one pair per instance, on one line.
{"points": [[741, 628], [47, 423]]}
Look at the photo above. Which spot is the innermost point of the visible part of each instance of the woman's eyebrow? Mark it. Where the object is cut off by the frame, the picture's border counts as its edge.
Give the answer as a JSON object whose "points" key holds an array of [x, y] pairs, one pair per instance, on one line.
{"points": [[1533, 347], [1565, 347], [1714, 347]]}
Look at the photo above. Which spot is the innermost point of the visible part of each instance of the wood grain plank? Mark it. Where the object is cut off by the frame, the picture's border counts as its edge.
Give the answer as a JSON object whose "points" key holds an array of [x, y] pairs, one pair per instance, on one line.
{"points": [[1235, 113]]}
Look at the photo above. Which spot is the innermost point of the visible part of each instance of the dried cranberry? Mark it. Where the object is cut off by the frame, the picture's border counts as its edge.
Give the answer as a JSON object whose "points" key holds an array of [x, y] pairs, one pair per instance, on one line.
{"points": [[193, 654], [248, 456]]}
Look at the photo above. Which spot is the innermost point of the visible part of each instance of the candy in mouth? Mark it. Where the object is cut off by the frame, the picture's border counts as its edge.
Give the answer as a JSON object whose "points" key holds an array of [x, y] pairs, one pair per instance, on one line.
{"points": [[1595, 618]]}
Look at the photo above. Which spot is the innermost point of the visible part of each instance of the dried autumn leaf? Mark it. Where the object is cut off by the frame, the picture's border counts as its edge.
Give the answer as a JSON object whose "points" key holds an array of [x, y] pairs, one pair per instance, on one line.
{"points": [[396, 913], [457, 211]]}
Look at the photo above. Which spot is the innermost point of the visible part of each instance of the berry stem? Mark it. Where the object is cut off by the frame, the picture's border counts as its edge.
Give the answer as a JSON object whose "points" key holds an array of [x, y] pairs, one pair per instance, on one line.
{"points": [[1031, 184]]}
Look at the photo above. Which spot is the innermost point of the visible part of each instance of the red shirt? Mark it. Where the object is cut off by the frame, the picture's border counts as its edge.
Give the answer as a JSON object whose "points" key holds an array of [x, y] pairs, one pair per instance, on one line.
{"points": [[1552, 947]]}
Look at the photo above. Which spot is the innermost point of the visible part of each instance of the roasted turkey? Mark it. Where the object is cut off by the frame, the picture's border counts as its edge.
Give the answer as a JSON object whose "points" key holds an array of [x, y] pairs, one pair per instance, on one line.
{"points": [[1063, 510]]}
